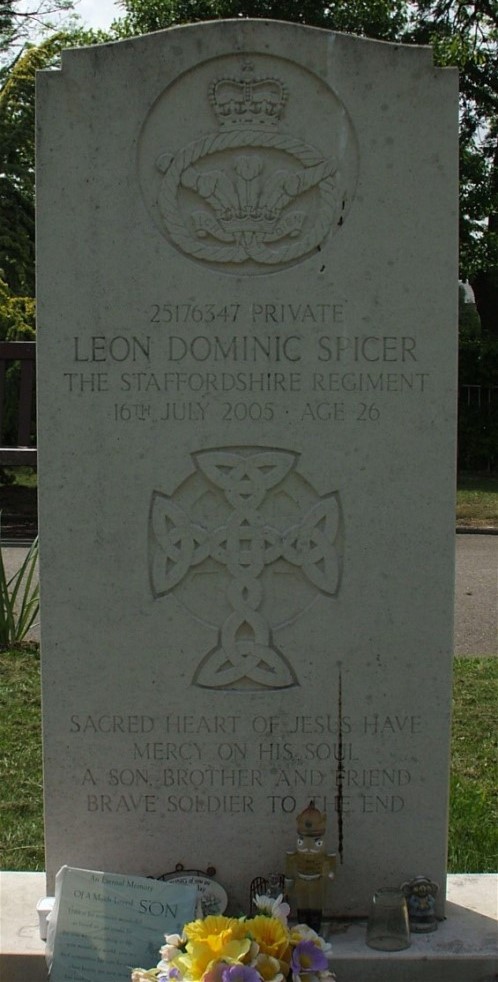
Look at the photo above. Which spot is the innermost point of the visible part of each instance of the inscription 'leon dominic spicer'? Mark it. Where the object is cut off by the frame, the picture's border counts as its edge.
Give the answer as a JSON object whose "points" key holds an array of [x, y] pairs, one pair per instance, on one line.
{"points": [[248, 348]]}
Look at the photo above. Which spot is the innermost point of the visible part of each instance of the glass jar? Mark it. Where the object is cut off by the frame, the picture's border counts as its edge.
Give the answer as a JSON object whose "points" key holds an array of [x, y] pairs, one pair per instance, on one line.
{"points": [[388, 928]]}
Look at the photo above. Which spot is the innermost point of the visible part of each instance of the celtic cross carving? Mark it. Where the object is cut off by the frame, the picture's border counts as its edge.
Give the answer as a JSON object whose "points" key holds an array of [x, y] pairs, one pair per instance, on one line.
{"points": [[243, 521]]}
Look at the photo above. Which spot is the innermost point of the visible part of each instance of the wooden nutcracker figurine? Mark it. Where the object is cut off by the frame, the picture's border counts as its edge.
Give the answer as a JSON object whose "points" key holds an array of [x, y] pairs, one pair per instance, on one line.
{"points": [[309, 869]]}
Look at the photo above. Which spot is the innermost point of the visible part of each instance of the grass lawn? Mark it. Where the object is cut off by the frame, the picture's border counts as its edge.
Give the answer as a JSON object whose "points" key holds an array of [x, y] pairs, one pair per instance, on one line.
{"points": [[473, 813], [473, 827], [477, 501], [21, 808]]}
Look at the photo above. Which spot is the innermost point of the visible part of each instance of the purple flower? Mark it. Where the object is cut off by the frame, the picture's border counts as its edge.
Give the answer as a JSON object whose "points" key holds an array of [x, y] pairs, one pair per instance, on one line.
{"points": [[240, 973], [168, 973], [307, 957]]}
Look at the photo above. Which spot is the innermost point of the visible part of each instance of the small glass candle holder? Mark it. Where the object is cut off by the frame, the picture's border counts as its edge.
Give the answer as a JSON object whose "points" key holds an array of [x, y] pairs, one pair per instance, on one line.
{"points": [[388, 928]]}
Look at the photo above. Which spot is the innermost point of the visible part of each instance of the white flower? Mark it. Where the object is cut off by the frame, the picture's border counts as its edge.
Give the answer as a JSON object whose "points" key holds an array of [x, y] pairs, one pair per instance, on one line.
{"points": [[172, 947], [273, 906], [301, 932], [168, 952]]}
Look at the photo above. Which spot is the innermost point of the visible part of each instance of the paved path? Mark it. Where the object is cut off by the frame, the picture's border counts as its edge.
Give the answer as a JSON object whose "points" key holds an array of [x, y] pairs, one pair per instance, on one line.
{"points": [[476, 595], [476, 592]]}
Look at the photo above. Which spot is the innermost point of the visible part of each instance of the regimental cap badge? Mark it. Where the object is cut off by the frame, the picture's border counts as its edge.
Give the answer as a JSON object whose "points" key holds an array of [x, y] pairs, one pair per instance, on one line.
{"points": [[244, 187], [311, 821], [248, 101]]}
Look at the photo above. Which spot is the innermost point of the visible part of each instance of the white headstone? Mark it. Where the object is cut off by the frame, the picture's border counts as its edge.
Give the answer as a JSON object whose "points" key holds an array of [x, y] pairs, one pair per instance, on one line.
{"points": [[247, 334]]}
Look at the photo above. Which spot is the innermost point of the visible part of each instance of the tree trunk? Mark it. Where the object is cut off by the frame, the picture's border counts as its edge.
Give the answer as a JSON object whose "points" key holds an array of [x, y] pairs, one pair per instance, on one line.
{"points": [[485, 287]]}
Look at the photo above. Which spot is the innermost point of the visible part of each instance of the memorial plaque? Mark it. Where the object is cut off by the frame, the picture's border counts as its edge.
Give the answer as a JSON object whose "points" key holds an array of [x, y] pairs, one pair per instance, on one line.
{"points": [[247, 349]]}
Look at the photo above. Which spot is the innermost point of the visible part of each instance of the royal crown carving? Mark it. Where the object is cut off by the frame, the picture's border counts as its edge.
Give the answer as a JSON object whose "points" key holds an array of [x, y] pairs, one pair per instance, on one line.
{"points": [[247, 100]]}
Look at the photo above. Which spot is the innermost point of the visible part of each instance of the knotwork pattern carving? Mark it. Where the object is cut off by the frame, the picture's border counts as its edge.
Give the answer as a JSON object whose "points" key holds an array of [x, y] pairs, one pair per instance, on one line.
{"points": [[228, 519]]}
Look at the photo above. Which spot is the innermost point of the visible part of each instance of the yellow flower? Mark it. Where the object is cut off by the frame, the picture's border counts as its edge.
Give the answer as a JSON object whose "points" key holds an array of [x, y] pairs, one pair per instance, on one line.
{"points": [[270, 934], [201, 954], [269, 968], [213, 939], [215, 926]]}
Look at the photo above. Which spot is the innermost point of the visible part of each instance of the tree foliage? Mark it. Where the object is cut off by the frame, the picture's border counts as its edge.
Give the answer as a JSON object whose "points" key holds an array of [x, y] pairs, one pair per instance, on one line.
{"points": [[17, 161], [466, 34], [17, 316], [19, 60], [382, 19], [20, 21], [17, 150]]}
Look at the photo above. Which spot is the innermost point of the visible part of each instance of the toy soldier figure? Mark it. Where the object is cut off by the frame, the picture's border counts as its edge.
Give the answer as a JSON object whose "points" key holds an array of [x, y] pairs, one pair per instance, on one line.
{"points": [[309, 869]]}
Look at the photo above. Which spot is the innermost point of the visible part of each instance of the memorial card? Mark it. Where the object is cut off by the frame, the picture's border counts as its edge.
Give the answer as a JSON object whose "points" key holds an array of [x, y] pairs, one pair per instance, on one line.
{"points": [[103, 924]]}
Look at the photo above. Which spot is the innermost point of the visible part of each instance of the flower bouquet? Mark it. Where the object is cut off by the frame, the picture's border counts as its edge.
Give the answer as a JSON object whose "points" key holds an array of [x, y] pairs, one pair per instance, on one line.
{"points": [[263, 948]]}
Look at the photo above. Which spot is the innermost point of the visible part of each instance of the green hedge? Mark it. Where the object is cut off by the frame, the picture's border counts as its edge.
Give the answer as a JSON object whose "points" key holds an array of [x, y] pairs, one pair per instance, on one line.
{"points": [[478, 406]]}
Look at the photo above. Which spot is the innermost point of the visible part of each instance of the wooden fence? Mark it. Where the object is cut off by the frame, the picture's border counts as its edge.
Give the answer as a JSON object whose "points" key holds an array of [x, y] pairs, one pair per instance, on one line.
{"points": [[17, 403]]}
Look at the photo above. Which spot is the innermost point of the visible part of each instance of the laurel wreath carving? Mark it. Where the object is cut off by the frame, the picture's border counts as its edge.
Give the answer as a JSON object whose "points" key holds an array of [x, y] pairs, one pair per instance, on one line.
{"points": [[173, 167]]}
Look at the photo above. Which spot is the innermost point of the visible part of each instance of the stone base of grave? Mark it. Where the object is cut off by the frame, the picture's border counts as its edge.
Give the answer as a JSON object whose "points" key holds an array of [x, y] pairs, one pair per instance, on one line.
{"points": [[463, 949]]}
